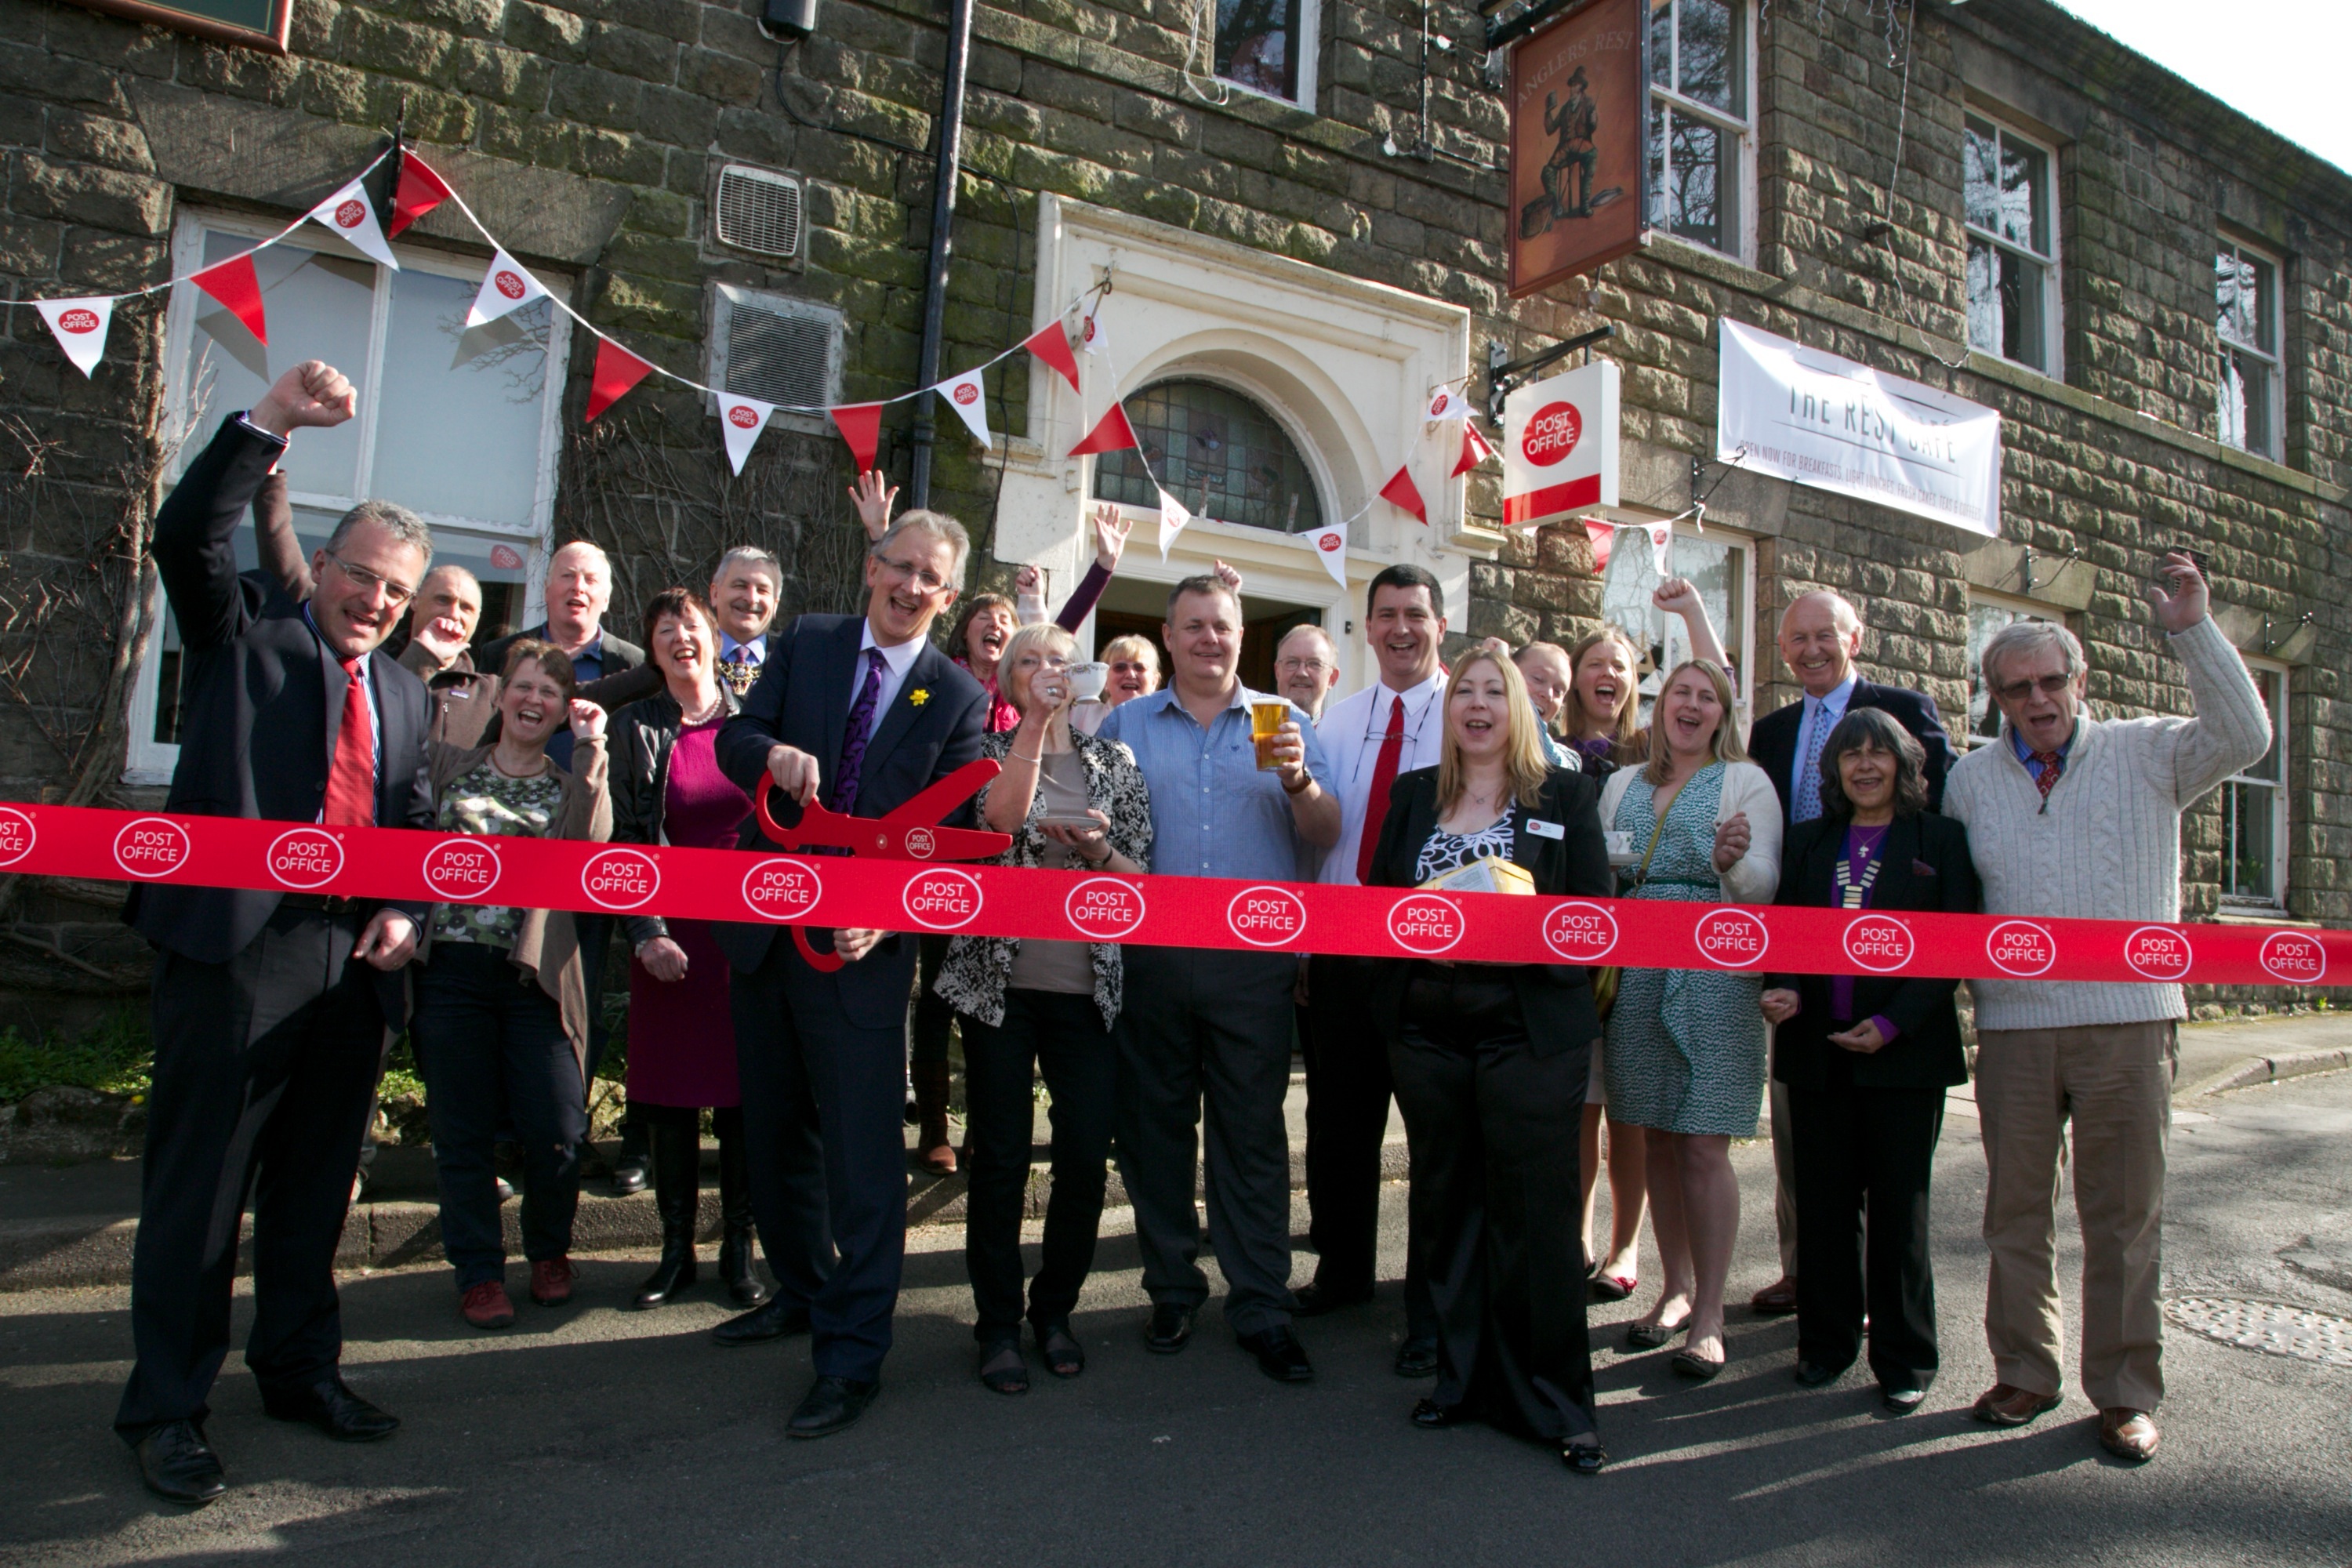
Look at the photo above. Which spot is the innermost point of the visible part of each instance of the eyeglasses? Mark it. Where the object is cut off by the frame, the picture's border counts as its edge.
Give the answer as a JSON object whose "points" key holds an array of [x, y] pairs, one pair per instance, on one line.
{"points": [[1131, 667], [368, 582], [1301, 666], [922, 577], [2018, 690]]}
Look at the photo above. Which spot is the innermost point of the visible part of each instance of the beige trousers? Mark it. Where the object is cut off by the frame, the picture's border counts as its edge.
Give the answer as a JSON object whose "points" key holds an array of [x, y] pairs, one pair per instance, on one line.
{"points": [[2114, 1082]]}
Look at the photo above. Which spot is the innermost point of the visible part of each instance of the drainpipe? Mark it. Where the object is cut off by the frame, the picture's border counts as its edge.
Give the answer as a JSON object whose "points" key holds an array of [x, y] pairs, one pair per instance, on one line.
{"points": [[935, 281]]}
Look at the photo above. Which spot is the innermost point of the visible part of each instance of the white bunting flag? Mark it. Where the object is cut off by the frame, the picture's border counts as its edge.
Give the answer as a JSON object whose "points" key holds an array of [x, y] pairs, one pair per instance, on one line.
{"points": [[970, 400], [1173, 519], [740, 420], [350, 214], [1091, 336], [1445, 403], [1662, 546], [80, 326], [1331, 548], [506, 287]]}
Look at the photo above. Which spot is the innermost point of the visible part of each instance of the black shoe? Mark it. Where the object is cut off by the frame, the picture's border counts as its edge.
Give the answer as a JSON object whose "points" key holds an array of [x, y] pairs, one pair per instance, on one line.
{"points": [[1417, 1357], [777, 1321], [1901, 1401], [831, 1404], [677, 1158], [177, 1463], [1585, 1458], [737, 1269], [1170, 1329], [628, 1175], [1279, 1355], [1430, 1415], [1317, 1298], [333, 1409], [1813, 1374]]}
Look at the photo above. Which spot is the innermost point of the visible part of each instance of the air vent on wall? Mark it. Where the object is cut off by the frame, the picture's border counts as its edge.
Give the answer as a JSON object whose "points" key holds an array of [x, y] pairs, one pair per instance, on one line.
{"points": [[759, 210], [776, 349]]}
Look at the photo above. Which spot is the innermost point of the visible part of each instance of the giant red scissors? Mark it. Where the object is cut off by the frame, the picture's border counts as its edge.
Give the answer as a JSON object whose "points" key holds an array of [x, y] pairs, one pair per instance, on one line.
{"points": [[912, 832]]}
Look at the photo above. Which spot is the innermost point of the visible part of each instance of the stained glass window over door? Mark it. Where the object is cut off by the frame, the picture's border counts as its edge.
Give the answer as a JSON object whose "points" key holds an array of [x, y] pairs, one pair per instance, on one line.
{"points": [[1217, 451]]}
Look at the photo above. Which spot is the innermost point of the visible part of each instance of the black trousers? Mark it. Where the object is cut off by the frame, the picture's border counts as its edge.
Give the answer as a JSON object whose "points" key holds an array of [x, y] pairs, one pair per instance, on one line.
{"points": [[1063, 1036], [1865, 1159], [265, 1069], [1348, 1092], [493, 1052], [933, 1020], [1494, 1129]]}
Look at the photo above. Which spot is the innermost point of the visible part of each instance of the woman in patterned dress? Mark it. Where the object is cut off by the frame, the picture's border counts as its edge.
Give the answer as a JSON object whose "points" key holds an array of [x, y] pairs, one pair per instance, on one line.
{"points": [[501, 1020], [1686, 1047]]}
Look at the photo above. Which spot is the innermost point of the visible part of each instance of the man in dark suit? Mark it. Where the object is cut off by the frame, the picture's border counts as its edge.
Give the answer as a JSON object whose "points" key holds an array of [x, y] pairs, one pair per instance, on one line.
{"points": [[270, 1010], [579, 592], [1820, 634], [861, 712]]}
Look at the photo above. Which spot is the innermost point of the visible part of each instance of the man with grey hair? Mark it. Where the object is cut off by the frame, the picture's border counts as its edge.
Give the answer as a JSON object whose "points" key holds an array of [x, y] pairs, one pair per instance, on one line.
{"points": [[1306, 669], [2075, 817], [743, 595], [579, 591]]}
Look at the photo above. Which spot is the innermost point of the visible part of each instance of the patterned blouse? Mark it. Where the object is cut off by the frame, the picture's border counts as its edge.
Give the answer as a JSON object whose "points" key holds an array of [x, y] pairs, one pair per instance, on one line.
{"points": [[487, 802], [974, 977], [1450, 851]]}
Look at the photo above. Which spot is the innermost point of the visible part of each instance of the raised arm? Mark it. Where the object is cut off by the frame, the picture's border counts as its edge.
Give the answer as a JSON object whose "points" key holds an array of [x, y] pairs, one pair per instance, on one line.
{"points": [[2227, 730], [1111, 529], [275, 542], [1679, 596]]}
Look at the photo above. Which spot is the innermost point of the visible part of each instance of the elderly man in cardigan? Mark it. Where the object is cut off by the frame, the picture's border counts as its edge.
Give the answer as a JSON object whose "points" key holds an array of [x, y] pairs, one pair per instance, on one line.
{"points": [[2071, 816]]}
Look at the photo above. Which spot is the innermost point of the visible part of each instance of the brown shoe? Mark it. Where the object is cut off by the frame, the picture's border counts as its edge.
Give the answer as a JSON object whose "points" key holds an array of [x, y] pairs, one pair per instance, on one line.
{"points": [[2128, 1434], [2004, 1406], [486, 1306], [1777, 1300], [551, 1282], [932, 1085]]}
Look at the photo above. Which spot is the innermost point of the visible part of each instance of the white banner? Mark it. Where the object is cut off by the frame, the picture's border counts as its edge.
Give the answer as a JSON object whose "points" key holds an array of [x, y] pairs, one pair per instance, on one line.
{"points": [[740, 420], [1560, 445], [969, 398], [1815, 419]]}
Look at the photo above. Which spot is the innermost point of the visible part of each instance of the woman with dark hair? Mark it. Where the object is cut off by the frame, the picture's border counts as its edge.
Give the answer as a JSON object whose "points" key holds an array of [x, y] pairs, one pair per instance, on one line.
{"points": [[668, 789], [1866, 1060], [1489, 1063]]}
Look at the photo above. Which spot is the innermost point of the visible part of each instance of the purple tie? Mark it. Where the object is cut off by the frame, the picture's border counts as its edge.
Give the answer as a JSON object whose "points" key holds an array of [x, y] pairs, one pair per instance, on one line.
{"points": [[842, 796]]}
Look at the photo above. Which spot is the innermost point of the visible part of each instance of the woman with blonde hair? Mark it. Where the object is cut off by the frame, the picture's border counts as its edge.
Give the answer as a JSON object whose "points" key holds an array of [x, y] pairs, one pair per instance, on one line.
{"points": [[1686, 1047], [1489, 1062]]}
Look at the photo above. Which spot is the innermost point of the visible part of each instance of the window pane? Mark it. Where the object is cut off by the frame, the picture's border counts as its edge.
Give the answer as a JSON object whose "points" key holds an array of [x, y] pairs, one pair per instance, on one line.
{"points": [[2024, 206], [2021, 294], [1984, 622], [1984, 297], [501, 568], [1255, 44], [319, 307], [1662, 43], [1708, 55], [1979, 186], [2243, 292], [1662, 212], [2266, 682], [1219, 453], [1695, 153], [2248, 842], [1718, 570], [460, 413]]}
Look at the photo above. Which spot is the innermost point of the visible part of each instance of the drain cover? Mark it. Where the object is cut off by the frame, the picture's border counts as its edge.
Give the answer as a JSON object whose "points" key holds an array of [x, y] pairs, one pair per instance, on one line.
{"points": [[2266, 1326]]}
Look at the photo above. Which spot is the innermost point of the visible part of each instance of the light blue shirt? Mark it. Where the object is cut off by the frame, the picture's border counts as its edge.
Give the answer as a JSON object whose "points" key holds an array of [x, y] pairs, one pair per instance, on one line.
{"points": [[755, 651], [1212, 813], [2032, 758], [1822, 716]]}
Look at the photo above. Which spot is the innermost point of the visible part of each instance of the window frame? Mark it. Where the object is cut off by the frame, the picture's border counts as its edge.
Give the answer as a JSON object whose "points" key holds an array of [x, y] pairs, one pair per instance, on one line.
{"points": [[149, 761], [1744, 132], [1319, 477], [2277, 677], [2273, 357], [1310, 58], [2024, 609], [2053, 327]]}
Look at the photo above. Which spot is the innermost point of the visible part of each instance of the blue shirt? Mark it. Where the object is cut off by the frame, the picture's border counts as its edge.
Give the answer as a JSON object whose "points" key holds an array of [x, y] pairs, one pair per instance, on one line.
{"points": [[2033, 764], [587, 664], [1212, 813], [1822, 716]]}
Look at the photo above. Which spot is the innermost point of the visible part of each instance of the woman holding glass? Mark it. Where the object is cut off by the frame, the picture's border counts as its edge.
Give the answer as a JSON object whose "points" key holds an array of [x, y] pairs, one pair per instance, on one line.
{"points": [[1686, 1047], [1071, 802], [1489, 1063]]}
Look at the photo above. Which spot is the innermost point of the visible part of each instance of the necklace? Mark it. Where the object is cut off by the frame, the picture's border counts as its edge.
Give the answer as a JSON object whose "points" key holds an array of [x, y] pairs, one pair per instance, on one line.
{"points": [[1851, 892], [702, 715]]}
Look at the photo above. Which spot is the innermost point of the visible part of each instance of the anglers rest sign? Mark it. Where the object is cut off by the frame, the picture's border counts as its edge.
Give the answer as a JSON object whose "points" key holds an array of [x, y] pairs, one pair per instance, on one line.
{"points": [[1578, 174]]}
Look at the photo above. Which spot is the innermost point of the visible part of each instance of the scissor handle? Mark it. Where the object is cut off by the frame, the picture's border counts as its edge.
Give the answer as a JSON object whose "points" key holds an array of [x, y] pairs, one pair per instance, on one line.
{"points": [[783, 837]]}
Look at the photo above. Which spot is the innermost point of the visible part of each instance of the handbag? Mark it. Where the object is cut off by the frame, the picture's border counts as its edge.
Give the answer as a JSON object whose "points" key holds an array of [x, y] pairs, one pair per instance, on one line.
{"points": [[1604, 977]]}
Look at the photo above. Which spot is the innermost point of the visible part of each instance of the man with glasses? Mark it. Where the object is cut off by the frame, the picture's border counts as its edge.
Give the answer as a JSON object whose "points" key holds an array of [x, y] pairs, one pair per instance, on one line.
{"points": [[1306, 669], [2075, 817], [269, 1008], [860, 712]]}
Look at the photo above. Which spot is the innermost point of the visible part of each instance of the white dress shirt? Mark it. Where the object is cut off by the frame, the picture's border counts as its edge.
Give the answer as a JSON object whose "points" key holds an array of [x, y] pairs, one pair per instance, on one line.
{"points": [[1351, 731], [895, 662]]}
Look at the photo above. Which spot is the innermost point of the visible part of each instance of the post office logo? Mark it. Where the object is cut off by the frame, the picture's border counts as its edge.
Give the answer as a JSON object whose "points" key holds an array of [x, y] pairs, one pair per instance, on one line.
{"points": [[16, 836], [1553, 434], [782, 889], [1880, 943], [742, 417], [1266, 917], [1580, 933], [941, 898], [348, 214], [1732, 937], [921, 844], [509, 284], [78, 320], [1426, 923], [152, 847], [1104, 908], [1330, 543], [461, 869], [2296, 957], [306, 857], [2157, 952], [2020, 947], [966, 394], [621, 878]]}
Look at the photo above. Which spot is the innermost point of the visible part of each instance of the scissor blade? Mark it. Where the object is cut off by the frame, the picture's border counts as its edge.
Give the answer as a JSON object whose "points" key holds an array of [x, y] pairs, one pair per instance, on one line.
{"points": [[926, 806], [954, 844]]}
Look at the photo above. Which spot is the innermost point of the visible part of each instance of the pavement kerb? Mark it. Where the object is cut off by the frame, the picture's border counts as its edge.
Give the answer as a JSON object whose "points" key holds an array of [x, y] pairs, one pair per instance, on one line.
{"points": [[2270, 1070]]}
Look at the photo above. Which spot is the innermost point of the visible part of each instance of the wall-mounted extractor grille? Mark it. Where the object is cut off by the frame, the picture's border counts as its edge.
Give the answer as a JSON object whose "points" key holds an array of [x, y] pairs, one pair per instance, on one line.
{"points": [[775, 348], [759, 210]]}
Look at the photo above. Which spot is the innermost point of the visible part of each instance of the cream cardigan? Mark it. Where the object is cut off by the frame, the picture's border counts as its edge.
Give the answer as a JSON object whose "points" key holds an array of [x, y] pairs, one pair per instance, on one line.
{"points": [[1755, 877]]}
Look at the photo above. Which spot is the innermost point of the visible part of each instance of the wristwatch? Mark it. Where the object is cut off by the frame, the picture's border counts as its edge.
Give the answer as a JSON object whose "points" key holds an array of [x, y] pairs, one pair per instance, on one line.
{"points": [[1305, 781]]}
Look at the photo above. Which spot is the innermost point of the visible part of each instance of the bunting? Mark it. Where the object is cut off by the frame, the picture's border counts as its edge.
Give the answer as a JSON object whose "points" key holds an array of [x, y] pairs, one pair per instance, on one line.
{"points": [[1173, 519], [507, 287], [1405, 495], [1111, 433], [1052, 344], [237, 286], [740, 420], [617, 370], [350, 216], [969, 398], [417, 192], [1330, 547], [80, 328], [860, 424]]}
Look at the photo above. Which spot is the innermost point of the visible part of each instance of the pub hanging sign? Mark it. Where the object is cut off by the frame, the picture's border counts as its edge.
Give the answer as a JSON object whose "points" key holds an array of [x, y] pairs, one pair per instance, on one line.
{"points": [[1580, 169]]}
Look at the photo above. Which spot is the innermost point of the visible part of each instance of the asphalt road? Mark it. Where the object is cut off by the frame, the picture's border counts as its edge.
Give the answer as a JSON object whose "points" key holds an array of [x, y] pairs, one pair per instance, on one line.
{"points": [[592, 1434]]}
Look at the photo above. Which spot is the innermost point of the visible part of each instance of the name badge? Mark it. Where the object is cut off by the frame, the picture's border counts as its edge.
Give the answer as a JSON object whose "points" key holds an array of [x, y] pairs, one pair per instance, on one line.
{"points": [[1543, 829]]}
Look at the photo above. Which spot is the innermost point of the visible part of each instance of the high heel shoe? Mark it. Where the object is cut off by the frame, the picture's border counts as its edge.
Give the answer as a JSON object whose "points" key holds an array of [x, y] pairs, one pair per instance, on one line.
{"points": [[737, 1269], [677, 1151]]}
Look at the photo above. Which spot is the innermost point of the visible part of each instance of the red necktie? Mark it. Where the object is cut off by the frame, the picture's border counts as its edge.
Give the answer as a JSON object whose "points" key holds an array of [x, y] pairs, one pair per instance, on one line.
{"points": [[1384, 772], [350, 782], [2052, 764]]}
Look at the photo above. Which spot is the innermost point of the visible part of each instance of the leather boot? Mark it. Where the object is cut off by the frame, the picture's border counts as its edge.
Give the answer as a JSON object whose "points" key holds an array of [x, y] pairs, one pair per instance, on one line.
{"points": [[735, 1266], [677, 1151], [931, 1146]]}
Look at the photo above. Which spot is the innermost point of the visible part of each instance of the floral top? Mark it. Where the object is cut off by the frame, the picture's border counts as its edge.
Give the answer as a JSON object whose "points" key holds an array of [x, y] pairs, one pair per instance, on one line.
{"points": [[487, 802], [977, 968]]}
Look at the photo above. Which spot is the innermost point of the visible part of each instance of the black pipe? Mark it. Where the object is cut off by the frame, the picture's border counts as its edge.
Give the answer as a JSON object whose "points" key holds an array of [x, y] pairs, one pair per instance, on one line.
{"points": [[935, 281]]}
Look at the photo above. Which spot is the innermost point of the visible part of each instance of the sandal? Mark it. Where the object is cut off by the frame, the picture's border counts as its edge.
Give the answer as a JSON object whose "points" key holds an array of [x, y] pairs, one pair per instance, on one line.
{"points": [[1652, 1336], [1614, 1287], [1064, 1357], [1002, 1368]]}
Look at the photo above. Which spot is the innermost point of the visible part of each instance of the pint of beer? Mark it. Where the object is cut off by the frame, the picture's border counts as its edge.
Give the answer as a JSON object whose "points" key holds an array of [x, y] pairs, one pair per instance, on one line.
{"points": [[1268, 715]]}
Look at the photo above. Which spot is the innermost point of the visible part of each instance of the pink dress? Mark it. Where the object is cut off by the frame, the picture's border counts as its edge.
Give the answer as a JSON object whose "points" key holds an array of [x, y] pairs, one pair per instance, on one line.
{"points": [[681, 1035]]}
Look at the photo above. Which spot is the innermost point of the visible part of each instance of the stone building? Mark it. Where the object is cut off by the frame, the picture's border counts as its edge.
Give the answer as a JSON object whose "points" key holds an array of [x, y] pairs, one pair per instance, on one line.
{"points": [[1300, 212]]}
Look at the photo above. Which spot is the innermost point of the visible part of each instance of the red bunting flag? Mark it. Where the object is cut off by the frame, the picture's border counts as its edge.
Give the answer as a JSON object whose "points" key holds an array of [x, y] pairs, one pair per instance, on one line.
{"points": [[418, 192], [860, 424], [1111, 433], [1405, 495], [1602, 533], [1474, 450], [1052, 344], [236, 285], [617, 370]]}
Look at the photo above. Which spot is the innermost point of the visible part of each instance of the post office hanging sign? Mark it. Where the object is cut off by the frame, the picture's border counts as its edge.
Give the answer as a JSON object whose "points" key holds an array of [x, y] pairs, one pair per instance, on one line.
{"points": [[1560, 445]]}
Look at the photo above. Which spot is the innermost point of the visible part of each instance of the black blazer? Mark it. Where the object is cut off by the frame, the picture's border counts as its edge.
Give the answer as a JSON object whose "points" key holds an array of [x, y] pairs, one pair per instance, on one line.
{"points": [[801, 699], [261, 703], [1772, 740], [1556, 999], [1926, 867], [639, 740], [619, 654]]}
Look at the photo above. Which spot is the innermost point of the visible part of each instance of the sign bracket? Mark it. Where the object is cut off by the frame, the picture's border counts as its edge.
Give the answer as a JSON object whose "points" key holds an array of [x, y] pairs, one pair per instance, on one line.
{"points": [[1504, 372]]}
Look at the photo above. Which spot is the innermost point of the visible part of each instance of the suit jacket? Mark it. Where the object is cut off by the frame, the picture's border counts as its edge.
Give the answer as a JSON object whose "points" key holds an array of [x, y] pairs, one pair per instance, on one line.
{"points": [[262, 703], [1925, 865], [619, 653], [1773, 741], [1556, 999], [801, 699]]}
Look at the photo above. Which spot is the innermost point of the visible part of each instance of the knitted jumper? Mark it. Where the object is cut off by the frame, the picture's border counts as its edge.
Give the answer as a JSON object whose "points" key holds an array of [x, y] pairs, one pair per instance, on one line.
{"points": [[2108, 847]]}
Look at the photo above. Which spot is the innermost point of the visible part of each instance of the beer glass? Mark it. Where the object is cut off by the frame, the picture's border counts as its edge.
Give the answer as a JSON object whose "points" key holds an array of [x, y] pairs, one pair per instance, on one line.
{"points": [[1267, 716]]}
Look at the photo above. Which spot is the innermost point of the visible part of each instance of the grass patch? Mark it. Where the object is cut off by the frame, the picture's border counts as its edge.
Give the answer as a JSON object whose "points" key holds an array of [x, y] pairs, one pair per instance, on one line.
{"points": [[113, 1058]]}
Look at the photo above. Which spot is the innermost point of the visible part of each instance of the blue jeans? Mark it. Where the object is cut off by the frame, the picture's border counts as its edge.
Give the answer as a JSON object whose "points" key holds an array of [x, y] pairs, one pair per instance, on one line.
{"points": [[492, 1049]]}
